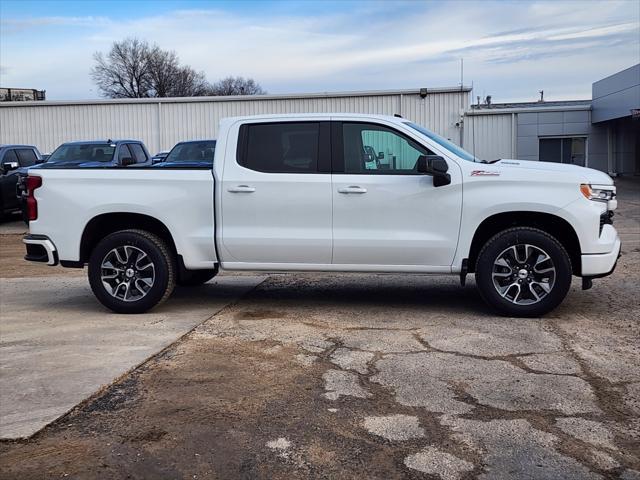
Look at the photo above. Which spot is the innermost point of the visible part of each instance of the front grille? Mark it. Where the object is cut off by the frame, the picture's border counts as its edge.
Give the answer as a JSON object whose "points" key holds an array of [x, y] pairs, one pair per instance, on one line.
{"points": [[606, 219]]}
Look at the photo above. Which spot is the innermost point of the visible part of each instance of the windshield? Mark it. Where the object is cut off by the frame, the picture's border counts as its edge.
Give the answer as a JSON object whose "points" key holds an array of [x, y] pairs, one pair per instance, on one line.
{"points": [[452, 147], [94, 152], [192, 152]]}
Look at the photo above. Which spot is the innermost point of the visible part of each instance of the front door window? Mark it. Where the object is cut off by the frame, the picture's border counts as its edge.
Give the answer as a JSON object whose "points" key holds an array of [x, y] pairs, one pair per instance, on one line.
{"points": [[372, 149]]}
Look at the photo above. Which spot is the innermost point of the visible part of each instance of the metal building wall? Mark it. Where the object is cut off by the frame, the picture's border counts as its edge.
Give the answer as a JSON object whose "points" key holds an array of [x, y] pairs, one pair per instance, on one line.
{"points": [[491, 135], [161, 123]]}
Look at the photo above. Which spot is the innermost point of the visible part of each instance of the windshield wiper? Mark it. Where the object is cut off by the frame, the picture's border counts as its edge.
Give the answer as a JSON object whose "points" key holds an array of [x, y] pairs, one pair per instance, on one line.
{"points": [[491, 161]]}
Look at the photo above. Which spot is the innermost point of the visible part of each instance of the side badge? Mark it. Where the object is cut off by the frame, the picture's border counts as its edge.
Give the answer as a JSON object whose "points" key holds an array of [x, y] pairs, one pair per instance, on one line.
{"points": [[484, 173]]}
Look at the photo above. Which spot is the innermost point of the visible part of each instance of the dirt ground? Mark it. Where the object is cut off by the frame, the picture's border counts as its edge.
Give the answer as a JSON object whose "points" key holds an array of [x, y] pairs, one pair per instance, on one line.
{"points": [[12, 264], [365, 376]]}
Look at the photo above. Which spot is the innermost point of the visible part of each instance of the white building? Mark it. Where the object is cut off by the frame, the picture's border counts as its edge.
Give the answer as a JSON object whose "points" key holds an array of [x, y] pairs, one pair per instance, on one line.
{"points": [[601, 134], [162, 122]]}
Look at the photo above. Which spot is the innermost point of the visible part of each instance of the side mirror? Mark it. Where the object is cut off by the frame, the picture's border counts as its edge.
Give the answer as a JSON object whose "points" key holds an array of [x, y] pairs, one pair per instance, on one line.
{"points": [[126, 161], [8, 166], [380, 155], [437, 167]]}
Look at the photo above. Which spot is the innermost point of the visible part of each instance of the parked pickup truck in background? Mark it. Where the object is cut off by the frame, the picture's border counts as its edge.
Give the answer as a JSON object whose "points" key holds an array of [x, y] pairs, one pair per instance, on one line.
{"points": [[99, 154], [302, 193], [192, 154], [14, 160]]}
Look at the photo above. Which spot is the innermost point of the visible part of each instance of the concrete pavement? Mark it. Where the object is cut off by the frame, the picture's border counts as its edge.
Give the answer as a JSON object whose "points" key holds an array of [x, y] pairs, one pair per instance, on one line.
{"points": [[58, 346]]}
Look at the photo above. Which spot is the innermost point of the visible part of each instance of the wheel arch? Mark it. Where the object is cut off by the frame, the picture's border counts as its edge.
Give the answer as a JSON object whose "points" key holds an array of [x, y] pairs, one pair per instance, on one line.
{"points": [[102, 225], [554, 225]]}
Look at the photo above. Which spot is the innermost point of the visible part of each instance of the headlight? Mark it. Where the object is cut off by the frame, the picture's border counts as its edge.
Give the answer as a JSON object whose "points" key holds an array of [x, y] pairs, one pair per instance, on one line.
{"points": [[598, 193]]}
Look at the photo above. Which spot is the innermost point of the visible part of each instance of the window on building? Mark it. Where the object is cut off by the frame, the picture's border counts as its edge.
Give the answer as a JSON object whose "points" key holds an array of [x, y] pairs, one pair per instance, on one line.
{"points": [[564, 150], [281, 147], [374, 149]]}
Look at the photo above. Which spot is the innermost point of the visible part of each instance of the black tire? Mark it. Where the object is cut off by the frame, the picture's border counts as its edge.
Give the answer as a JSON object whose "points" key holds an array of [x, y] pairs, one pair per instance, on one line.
{"points": [[193, 278], [521, 281], [163, 270]]}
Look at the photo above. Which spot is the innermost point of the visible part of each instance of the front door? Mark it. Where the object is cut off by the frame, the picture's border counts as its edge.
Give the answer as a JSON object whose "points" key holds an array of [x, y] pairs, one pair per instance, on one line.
{"points": [[384, 211], [276, 196]]}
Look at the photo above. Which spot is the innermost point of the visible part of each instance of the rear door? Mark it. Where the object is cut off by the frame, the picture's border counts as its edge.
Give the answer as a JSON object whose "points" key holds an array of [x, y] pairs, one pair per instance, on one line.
{"points": [[276, 195], [384, 211]]}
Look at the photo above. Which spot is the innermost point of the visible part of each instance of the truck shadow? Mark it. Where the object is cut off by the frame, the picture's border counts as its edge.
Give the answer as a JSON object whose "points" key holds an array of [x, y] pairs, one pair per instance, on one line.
{"points": [[355, 292]]}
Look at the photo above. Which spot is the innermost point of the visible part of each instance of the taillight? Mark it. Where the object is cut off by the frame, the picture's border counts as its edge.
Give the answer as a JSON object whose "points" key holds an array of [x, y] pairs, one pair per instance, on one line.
{"points": [[32, 204]]}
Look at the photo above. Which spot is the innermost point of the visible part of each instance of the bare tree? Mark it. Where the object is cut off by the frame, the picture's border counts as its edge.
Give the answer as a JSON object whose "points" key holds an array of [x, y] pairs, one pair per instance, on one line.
{"points": [[124, 71], [169, 79], [135, 69], [236, 86]]}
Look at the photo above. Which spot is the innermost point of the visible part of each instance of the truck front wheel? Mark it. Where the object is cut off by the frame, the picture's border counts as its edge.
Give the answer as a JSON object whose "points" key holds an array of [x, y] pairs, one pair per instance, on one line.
{"points": [[132, 271], [523, 272]]}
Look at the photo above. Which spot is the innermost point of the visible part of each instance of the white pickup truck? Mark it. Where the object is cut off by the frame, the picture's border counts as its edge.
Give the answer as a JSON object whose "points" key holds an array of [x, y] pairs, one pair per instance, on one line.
{"points": [[331, 193]]}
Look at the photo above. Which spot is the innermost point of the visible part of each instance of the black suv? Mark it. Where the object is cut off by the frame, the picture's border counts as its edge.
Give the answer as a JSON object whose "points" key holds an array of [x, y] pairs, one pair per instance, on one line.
{"points": [[14, 161]]}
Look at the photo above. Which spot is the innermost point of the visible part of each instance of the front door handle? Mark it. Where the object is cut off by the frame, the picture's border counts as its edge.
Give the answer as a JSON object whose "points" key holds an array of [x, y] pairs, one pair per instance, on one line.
{"points": [[352, 189], [242, 189]]}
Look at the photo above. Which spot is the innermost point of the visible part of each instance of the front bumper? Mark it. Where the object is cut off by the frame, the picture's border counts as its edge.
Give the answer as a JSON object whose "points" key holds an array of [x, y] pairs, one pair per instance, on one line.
{"points": [[40, 249], [601, 264]]}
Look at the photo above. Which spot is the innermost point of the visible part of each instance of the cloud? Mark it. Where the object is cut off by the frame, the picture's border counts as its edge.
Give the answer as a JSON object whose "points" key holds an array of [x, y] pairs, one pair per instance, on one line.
{"points": [[16, 25], [509, 49]]}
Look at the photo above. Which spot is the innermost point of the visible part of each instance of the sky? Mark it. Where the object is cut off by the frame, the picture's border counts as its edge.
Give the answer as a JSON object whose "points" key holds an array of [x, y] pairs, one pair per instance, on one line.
{"points": [[511, 50]]}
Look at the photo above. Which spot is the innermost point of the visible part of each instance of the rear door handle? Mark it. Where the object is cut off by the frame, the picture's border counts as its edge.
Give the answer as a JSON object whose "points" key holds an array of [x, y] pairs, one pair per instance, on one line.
{"points": [[352, 189], [242, 189]]}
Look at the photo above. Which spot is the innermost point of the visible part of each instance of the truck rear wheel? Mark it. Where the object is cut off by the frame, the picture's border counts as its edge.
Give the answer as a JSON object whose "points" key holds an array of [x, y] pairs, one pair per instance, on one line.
{"points": [[523, 272], [132, 271]]}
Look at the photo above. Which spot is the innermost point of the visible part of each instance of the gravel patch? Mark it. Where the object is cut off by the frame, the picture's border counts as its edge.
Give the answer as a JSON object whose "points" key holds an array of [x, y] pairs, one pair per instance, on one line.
{"points": [[394, 427], [352, 359], [552, 363], [432, 461], [338, 383], [531, 452], [588, 431]]}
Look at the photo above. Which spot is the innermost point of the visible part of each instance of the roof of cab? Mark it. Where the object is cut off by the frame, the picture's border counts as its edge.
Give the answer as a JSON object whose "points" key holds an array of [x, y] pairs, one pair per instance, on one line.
{"points": [[100, 142], [294, 116], [16, 145]]}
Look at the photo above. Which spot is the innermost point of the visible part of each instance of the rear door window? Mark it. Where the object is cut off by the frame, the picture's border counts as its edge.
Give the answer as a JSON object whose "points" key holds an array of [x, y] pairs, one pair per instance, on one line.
{"points": [[27, 157], [281, 147], [138, 152], [123, 152]]}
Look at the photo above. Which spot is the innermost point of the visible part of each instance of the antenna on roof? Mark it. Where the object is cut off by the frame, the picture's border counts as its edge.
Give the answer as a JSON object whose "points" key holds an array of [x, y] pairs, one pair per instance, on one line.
{"points": [[541, 92], [397, 115]]}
